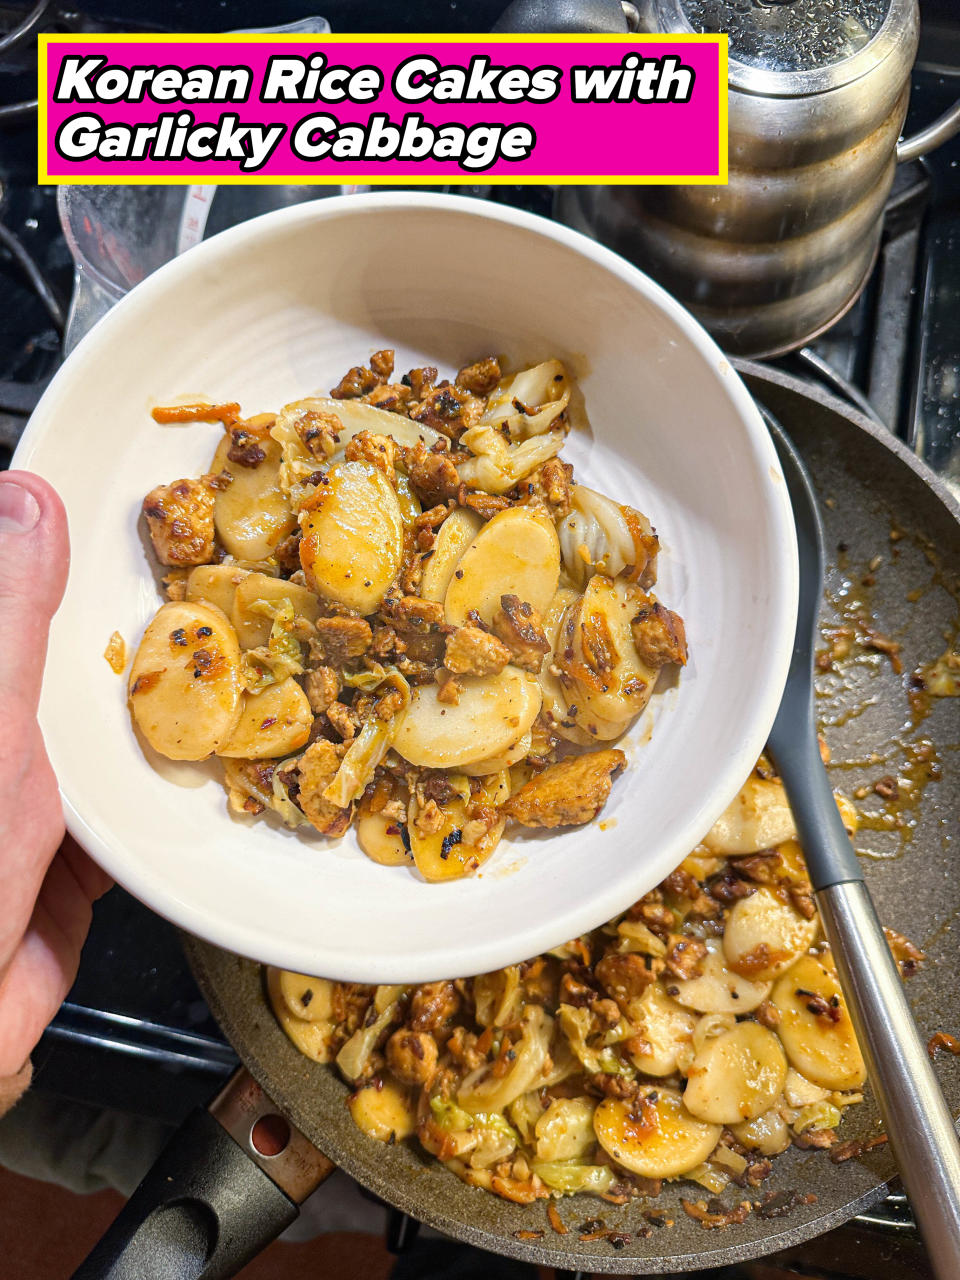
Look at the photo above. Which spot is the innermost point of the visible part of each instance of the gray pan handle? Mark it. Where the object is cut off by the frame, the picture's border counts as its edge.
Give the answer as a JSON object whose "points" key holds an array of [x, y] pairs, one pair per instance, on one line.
{"points": [[228, 1182], [917, 1120]]}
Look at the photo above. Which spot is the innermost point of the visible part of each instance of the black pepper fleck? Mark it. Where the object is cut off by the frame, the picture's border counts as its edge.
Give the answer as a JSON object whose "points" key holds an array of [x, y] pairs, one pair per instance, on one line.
{"points": [[449, 841]]}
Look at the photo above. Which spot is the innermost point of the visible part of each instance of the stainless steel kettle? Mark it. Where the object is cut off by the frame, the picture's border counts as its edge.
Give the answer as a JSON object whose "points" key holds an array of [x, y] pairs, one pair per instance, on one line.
{"points": [[818, 94]]}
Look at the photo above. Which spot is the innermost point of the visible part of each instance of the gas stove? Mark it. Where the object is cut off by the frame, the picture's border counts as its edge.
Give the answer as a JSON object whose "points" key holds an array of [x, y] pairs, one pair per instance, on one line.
{"points": [[134, 1033]]}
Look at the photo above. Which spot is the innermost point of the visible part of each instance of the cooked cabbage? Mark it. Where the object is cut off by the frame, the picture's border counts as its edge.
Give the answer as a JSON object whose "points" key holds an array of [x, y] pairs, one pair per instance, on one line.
{"points": [[497, 466], [498, 996], [596, 537], [356, 768], [525, 1111], [482, 1091], [352, 1058], [575, 1023], [571, 1176], [281, 803], [530, 401], [282, 655]]}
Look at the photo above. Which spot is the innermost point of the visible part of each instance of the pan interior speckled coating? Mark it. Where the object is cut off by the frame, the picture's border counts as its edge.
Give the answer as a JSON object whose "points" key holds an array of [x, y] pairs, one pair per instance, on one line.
{"points": [[868, 482]]}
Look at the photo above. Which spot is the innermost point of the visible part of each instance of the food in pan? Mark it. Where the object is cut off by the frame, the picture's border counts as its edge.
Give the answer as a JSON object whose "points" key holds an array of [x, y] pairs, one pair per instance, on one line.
{"points": [[394, 609], [695, 1037]]}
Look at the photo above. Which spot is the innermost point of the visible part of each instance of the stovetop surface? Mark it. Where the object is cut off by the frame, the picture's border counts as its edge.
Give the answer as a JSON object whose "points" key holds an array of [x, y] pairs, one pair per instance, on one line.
{"points": [[134, 1033]]}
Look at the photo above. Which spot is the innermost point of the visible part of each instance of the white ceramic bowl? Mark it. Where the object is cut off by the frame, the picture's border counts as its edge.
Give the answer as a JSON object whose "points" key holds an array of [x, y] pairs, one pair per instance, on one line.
{"points": [[279, 308]]}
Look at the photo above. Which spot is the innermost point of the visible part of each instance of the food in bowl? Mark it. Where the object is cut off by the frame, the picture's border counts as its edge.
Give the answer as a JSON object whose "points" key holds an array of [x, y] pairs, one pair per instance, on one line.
{"points": [[694, 1037], [394, 609]]}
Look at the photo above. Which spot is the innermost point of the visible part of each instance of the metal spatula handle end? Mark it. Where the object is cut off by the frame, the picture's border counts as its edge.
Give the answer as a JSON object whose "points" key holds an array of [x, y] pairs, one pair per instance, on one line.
{"points": [[918, 1122]]}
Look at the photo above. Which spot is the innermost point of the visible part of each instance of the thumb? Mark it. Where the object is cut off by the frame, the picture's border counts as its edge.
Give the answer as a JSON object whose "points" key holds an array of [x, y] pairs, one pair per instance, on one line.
{"points": [[34, 558]]}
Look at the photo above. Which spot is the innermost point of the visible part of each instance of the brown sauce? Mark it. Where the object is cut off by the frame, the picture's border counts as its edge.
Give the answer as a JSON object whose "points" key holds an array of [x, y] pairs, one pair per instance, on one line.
{"points": [[856, 648]]}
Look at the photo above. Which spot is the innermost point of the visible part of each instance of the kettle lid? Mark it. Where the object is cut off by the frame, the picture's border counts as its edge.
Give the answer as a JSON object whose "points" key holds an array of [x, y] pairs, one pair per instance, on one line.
{"points": [[812, 41]]}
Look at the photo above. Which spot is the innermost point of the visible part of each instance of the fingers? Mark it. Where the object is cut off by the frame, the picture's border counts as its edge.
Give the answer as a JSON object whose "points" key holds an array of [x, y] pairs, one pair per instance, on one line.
{"points": [[31, 827], [44, 965], [46, 908], [34, 556], [33, 566], [93, 880]]}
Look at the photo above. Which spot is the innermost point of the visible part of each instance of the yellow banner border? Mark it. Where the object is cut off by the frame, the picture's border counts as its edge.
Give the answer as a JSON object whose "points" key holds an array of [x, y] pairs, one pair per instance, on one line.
{"points": [[442, 178]]}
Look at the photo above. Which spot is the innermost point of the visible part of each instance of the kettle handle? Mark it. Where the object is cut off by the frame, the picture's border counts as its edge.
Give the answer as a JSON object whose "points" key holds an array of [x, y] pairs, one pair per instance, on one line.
{"points": [[933, 136], [616, 16], [586, 16]]}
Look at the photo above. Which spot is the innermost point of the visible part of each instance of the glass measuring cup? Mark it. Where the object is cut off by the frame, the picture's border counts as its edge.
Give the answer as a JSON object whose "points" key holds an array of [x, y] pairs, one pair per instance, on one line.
{"points": [[118, 235]]}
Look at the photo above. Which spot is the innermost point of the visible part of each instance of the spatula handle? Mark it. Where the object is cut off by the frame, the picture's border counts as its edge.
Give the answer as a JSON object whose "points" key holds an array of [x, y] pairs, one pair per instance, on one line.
{"points": [[917, 1120]]}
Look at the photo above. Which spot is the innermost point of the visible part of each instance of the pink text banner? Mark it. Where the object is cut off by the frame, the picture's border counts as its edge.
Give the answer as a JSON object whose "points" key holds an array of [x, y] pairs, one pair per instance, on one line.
{"points": [[387, 109]]}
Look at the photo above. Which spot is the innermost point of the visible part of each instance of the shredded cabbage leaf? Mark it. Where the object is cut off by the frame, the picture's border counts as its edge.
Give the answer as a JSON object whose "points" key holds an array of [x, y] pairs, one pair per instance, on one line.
{"points": [[372, 742], [711, 1179], [482, 1091], [282, 655], [575, 1024], [281, 803], [595, 537], [451, 1119], [356, 768], [565, 1130], [352, 1058], [497, 465], [498, 997], [530, 401], [570, 1176]]}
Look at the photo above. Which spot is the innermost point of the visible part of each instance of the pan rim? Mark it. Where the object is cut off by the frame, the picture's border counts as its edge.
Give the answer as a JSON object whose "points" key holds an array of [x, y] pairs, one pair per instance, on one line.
{"points": [[403, 1195], [406, 1201], [883, 435]]}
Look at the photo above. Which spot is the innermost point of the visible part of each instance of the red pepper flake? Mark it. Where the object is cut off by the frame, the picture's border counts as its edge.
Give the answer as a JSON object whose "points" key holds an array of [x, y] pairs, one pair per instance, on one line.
{"points": [[553, 1214], [528, 1235], [265, 724], [590, 1237], [145, 682]]}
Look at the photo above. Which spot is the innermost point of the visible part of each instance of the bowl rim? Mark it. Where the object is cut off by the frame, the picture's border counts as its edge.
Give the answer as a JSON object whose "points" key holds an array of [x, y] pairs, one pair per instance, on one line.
{"points": [[264, 942]]}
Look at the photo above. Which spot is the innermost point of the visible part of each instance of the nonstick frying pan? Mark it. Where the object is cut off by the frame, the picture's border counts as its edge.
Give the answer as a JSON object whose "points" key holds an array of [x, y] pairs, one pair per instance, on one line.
{"points": [[894, 548]]}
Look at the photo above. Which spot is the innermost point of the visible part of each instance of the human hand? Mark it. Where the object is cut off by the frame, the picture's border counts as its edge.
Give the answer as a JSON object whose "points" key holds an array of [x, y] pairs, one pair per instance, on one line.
{"points": [[47, 883]]}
